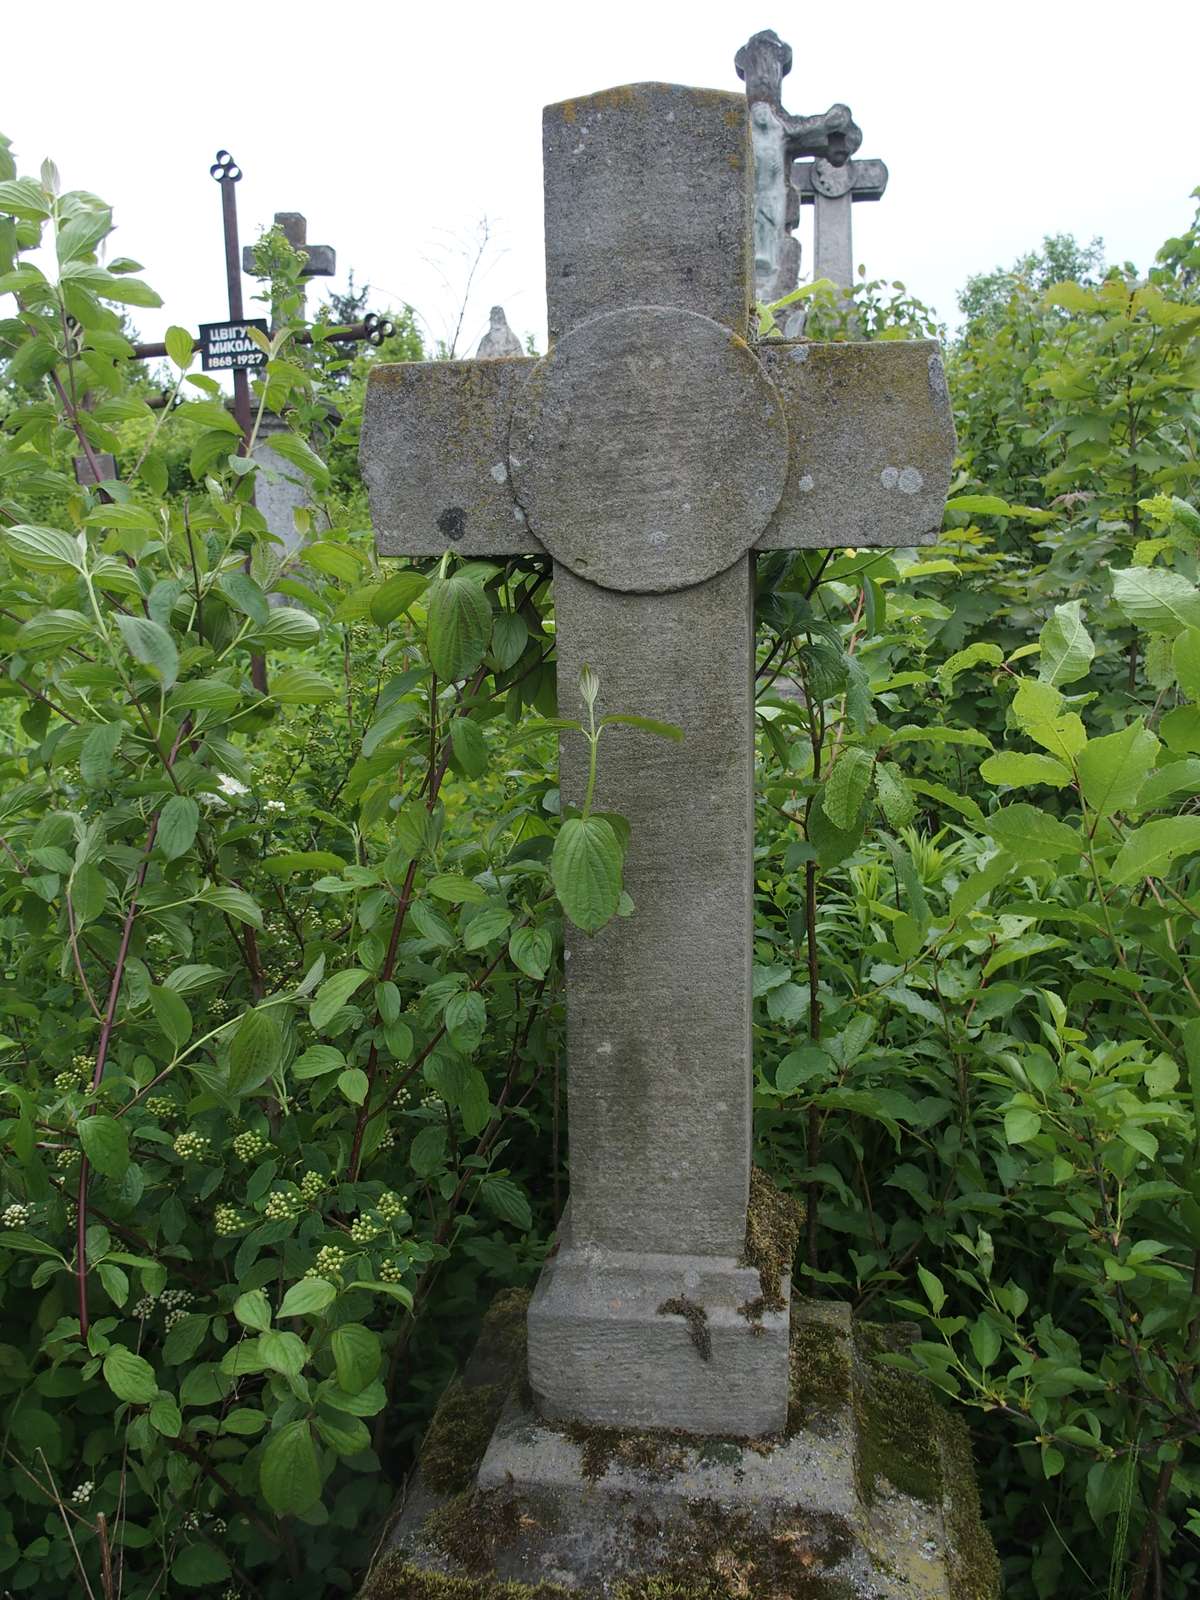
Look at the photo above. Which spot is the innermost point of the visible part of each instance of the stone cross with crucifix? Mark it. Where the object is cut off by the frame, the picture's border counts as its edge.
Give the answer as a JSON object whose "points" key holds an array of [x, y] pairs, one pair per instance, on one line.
{"points": [[779, 139], [650, 454]]}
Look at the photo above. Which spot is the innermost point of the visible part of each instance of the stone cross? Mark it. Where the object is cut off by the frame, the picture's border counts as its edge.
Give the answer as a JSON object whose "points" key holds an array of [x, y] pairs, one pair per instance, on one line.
{"points": [[649, 454], [830, 191], [282, 489], [322, 258], [779, 139]]}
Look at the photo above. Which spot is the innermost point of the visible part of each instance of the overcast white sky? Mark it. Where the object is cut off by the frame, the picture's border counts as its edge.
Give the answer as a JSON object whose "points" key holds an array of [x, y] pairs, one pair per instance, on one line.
{"points": [[396, 128]]}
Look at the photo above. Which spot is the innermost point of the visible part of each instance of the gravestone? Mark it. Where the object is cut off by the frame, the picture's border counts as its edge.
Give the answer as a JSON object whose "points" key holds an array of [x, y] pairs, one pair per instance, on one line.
{"points": [[831, 191], [282, 489], [499, 340], [650, 454], [779, 139]]}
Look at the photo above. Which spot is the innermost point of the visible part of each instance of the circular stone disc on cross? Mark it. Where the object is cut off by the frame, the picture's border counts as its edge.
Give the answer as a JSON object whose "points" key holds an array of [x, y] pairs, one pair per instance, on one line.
{"points": [[649, 449]]}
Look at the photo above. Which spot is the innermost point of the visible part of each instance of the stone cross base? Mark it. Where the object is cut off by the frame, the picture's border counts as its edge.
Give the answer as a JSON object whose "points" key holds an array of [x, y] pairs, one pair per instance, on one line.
{"points": [[868, 1492], [643, 1339]]}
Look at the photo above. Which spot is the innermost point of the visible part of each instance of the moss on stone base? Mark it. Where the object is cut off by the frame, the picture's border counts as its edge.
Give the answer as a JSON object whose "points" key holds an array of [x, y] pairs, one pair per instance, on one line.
{"points": [[653, 1455], [394, 1578], [897, 1416], [974, 1565], [773, 1222], [458, 1435], [818, 1374]]}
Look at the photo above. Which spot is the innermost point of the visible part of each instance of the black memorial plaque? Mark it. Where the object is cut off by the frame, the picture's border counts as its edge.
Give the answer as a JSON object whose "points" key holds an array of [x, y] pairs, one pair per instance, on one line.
{"points": [[227, 347]]}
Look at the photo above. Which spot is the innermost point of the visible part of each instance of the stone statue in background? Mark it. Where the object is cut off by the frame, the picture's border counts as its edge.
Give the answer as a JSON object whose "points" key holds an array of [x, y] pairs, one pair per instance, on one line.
{"points": [[779, 139], [499, 340]]}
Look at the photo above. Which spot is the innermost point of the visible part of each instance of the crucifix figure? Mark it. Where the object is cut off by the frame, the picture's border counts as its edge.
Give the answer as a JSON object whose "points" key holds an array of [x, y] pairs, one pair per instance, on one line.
{"points": [[779, 139], [650, 454]]}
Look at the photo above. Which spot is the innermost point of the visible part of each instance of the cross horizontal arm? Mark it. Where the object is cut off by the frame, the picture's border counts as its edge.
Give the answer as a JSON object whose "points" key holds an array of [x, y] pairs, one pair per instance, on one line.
{"points": [[871, 443], [435, 458], [865, 180]]}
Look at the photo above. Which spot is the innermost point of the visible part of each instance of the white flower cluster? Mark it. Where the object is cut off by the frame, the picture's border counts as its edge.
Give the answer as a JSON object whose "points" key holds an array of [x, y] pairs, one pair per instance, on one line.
{"points": [[15, 1216], [81, 1495]]}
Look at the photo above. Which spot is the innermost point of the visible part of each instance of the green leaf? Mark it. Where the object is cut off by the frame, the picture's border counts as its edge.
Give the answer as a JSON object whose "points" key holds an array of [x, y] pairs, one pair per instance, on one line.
{"points": [[177, 825], [244, 595], [289, 1474], [390, 722], [503, 1197], [484, 928], [197, 1565], [172, 1015], [89, 892], [165, 1417], [466, 1017], [932, 1286], [333, 995], [130, 1377], [1149, 850], [97, 752], [469, 747], [1067, 648], [457, 890], [531, 950], [283, 1352], [307, 1298], [510, 634], [253, 1310], [1021, 1125], [847, 785], [105, 1145], [396, 596], [317, 1060], [354, 1084], [255, 1051], [801, 1066], [459, 625], [986, 1342], [1185, 657], [301, 686], [428, 1151], [1113, 768], [585, 866], [1021, 770], [293, 449], [1031, 835], [50, 631], [235, 903], [988, 654], [151, 644], [356, 1356], [895, 798], [179, 347], [42, 549], [1156, 599], [24, 198]]}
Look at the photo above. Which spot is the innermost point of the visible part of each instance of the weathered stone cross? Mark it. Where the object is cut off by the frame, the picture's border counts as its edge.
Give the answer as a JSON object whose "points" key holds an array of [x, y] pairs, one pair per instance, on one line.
{"points": [[650, 454], [322, 258], [830, 191]]}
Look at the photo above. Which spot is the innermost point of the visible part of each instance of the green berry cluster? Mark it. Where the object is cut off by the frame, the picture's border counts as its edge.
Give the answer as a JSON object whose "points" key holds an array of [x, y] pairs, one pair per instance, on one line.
{"points": [[191, 1146], [363, 1229], [312, 1186], [15, 1215], [218, 1007], [391, 1272], [249, 1146], [330, 1258], [227, 1220], [83, 1066], [391, 1206], [66, 1159], [161, 1105], [281, 1206], [64, 1082]]}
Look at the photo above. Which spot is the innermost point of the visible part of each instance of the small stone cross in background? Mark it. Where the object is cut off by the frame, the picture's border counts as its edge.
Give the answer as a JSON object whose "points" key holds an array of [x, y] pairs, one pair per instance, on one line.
{"points": [[649, 455], [830, 191]]}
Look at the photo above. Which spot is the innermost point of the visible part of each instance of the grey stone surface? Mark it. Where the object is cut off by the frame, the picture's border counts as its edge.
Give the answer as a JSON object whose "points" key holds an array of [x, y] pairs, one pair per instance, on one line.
{"points": [[778, 140], [831, 191], [499, 340], [648, 449], [872, 443], [801, 1513], [646, 454], [435, 458], [605, 1352], [105, 462], [280, 489], [647, 203]]}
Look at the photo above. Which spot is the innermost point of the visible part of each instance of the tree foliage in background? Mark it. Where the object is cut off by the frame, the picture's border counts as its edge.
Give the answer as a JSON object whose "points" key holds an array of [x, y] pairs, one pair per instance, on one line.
{"points": [[280, 1094]]}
